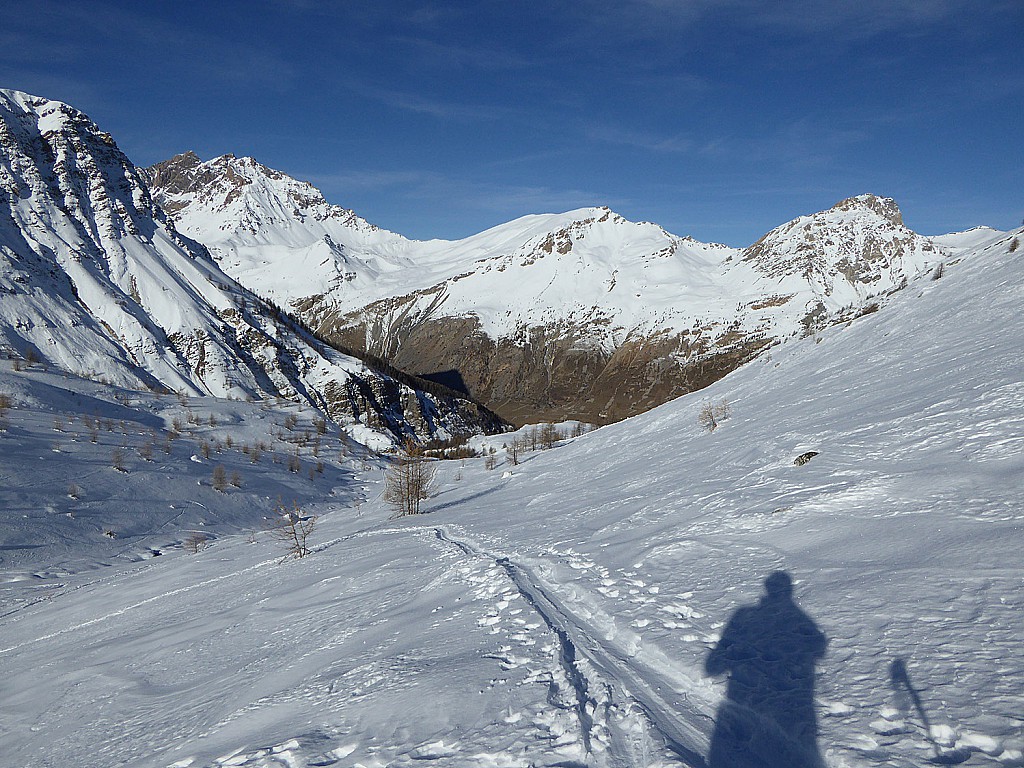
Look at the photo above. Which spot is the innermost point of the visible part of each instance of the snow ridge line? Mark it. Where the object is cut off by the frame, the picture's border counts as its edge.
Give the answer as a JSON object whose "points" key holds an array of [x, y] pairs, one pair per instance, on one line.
{"points": [[577, 640]]}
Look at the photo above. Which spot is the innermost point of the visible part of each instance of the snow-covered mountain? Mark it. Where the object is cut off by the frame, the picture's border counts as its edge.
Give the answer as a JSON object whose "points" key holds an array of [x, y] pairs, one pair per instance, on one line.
{"points": [[583, 314], [96, 280], [649, 595]]}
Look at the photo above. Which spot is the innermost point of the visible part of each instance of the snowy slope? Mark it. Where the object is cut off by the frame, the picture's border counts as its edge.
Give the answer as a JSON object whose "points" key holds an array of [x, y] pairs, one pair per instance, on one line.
{"points": [[972, 238], [564, 611], [95, 280]]}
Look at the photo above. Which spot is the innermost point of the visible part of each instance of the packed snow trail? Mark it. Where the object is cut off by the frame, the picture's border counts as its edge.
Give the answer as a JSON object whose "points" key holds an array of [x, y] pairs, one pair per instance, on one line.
{"points": [[618, 662]]}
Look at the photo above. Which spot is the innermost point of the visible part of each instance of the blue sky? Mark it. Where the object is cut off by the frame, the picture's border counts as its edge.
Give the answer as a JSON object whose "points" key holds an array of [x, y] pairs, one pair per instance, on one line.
{"points": [[715, 118]]}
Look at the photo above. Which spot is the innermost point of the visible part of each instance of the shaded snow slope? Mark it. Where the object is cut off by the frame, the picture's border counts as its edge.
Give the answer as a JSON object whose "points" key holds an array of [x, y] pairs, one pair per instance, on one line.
{"points": [[565, 611], [96, 280]]}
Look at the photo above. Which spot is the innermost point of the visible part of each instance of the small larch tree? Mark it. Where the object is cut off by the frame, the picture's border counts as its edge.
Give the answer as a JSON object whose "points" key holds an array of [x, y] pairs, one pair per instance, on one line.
{"points": [[292, 528], [220, 478], [409, 481]]}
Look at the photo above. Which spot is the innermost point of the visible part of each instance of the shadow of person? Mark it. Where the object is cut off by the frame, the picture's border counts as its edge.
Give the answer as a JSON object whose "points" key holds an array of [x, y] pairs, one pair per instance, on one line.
{"points": [[769, 651]]}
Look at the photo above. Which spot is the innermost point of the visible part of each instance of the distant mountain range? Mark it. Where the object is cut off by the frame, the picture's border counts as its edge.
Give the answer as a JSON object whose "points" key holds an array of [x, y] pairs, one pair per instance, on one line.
{"points": [[581, 315], [229, 278]]}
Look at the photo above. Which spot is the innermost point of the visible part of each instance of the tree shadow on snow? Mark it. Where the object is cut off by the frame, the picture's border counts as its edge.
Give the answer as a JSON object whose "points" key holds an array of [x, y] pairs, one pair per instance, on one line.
{"points": [[465, 499], [769, 651]]}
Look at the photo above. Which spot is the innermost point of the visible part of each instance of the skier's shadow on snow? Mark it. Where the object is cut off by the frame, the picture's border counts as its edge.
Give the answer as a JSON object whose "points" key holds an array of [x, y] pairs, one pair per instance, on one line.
{"points": [[769, 651]]}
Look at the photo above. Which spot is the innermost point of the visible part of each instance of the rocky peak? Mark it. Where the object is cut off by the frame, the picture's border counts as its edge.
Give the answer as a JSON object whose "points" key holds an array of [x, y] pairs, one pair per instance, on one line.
{"points": [[884, 207], [861, 240], [176, 175], [56, 153], [242, 191]]}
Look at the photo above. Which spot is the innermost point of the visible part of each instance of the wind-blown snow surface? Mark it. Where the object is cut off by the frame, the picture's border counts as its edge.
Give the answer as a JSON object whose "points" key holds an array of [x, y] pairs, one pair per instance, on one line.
{"points": [[561, 612]]}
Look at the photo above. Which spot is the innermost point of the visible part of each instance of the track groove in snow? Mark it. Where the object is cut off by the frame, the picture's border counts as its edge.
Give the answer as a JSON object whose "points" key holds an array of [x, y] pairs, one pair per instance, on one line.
{"points": [[628, 671]]}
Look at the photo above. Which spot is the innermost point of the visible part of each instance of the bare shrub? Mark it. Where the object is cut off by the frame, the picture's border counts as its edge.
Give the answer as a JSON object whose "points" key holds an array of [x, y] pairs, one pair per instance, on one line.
{"points": [[293, 530], [195, 543], [204, 449], [1014, 244], [711, 415], [490, 461], [409, 481], [5, 403], [236, 479], [146, 450], [74, 492]]}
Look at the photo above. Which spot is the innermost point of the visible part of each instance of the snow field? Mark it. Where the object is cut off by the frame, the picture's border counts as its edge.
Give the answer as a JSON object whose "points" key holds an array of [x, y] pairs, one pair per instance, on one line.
{"points": [[561, 612]]}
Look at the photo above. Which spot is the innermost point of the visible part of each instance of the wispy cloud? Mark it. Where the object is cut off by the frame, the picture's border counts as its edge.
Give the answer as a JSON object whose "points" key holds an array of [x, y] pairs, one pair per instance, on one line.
{"points": [[459, 192], [651, 142], [448, 54], [856, 19], [73, 34], [425, 105]]}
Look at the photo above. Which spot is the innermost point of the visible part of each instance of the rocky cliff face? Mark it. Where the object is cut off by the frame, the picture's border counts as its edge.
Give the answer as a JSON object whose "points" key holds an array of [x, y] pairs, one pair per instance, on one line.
{"points": [[96, 280], [580, 315]]}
